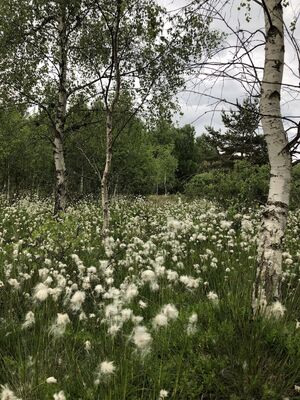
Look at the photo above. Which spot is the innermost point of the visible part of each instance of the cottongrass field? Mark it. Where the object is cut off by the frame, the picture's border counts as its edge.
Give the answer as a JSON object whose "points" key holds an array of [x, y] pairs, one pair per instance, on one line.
{"points": [[161, 310]]}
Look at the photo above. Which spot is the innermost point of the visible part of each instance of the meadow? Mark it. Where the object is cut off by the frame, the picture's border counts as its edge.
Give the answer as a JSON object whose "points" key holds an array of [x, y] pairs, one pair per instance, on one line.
{"points": [[160, 310]]}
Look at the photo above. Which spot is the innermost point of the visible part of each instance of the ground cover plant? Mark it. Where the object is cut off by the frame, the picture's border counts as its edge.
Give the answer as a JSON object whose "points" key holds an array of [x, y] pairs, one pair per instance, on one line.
{"points": [[160, 310]]}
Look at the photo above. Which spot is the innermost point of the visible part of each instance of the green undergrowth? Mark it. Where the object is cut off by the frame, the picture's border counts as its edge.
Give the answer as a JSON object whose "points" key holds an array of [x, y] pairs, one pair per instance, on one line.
{"points": [[229, 355]]}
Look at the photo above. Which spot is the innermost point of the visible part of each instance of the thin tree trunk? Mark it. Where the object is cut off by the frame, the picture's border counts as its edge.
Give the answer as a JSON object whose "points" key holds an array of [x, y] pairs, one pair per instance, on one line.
{"points": [[60, 170], [8, 183], [106, 173], [115, 189], [81, 187], [58, 151], [269, 269], [115, 77]]}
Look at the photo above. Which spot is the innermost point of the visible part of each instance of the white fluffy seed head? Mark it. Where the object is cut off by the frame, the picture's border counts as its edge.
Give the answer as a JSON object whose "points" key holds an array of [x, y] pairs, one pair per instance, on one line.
{"points": [[213, 297], [59, 327], [41, 292], [77, 300], [126, 314], [59, 396], [275, 310], [87, 345], [170, 311], [29, 320], [193, 318], [142, 304], [131, 292], [189, 281], [107, 368], [7, 394], [159, 321], [51, 379], [163, 394], [142, 338], [148, 276]]}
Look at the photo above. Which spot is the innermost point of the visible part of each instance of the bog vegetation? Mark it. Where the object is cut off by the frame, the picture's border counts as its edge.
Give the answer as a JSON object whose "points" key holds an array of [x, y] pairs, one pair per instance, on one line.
{"points": [[161, 310]]}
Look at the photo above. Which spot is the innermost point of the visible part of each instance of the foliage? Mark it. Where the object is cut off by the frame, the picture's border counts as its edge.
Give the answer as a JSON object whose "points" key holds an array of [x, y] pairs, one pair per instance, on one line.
{"points": [[186, 153], [30, 52], [240, 141], [295, 189], [245, 184]]}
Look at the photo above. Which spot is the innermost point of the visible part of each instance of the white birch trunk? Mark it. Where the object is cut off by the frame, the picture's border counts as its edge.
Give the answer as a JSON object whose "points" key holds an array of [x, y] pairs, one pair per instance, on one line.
{"points": [[59, 159], [110, 108], [106, 173], [60, 170], [269, 268], [81, 187]]}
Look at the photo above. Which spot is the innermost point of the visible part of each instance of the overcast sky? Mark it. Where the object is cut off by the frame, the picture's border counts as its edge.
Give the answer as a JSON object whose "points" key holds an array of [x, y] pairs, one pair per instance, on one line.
{"points": [[199, 109]]}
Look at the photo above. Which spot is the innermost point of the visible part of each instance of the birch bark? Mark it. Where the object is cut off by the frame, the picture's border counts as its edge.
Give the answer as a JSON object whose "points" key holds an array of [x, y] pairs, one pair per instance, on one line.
{"points": [[269, 263], [58, 146], [106, 172], [81, 186], [115, 77]]}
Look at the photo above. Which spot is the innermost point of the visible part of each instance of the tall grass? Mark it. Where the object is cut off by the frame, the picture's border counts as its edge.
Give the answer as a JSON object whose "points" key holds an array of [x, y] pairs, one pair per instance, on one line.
{"points": [[202, 261]]}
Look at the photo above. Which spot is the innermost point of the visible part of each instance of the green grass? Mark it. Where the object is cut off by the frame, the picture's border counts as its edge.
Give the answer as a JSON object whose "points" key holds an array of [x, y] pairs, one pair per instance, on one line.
{"points": [[230, 356]]}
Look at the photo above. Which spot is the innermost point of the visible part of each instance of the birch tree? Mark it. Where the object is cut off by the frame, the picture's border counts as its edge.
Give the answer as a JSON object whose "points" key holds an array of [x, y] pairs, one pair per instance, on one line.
{"points": [[267, 285], [265, 82], [135, 47], [39, 42]]}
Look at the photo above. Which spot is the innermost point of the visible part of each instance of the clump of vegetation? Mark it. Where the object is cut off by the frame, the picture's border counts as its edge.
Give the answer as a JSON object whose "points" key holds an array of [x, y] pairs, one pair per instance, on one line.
{"points": [[244, 185]]}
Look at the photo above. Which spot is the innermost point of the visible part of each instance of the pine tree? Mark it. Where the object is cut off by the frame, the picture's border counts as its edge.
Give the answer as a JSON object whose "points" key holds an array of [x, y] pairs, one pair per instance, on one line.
{"points": [[241, 140]]}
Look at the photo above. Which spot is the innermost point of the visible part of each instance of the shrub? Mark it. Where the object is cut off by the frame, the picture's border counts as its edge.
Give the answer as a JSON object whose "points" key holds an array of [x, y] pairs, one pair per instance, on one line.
{"points": [[244, 184]]}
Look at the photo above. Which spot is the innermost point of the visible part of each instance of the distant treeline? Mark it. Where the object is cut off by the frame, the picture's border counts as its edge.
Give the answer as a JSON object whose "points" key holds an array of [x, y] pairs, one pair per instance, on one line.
{"points": [[156, 158]]}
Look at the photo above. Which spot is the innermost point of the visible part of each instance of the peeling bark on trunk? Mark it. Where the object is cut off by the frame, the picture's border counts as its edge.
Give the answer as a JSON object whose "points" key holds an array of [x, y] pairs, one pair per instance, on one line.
{"points": [[269, 263], [58, 150], [60, 169]]}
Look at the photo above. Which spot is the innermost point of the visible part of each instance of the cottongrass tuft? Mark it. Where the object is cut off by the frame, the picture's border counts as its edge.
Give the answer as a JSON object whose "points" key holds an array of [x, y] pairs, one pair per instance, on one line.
{"points": [[275, 310], [7, 394], [142, 304], [29, 320], [59, 396], [87, 345], [107, 368], [213, 297], [159, 321], [297, 388], [51, 380], [104, 371], [77, 300], [163, 394], [41, 292], [59, 327], [170, 311], [192, 328], [142, 339]]}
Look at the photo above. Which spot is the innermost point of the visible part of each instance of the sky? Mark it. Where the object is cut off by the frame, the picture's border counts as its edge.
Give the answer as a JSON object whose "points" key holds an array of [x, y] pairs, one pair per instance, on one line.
{"points": [[198, 108]]}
